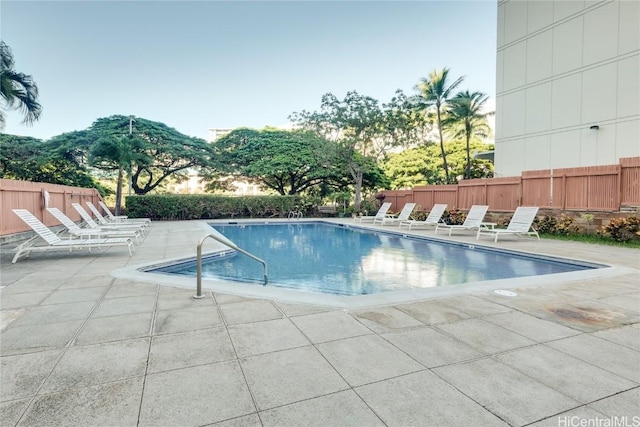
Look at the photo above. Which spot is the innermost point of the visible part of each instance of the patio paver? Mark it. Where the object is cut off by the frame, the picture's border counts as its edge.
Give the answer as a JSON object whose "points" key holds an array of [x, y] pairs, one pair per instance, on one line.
{"points": [[264, 337], [410, 407], [344, 408], [97, 364], [568, 375], [612, 357], [98, 405], [485, 336], [431, 347], [287, 376], [191, 348], [249, 311], [365, 359], [195, 396], [510, 395], [333, 325], [79, 346]]}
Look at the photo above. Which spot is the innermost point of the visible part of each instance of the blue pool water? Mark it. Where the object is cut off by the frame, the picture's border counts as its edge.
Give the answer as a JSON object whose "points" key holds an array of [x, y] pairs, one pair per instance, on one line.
{"points": [[351, 261]]}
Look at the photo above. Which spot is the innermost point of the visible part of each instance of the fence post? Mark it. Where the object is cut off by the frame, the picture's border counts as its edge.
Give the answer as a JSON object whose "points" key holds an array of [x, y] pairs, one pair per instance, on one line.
{"points": [[484, 193], [519, 192], [618, 202], [564, 191]]}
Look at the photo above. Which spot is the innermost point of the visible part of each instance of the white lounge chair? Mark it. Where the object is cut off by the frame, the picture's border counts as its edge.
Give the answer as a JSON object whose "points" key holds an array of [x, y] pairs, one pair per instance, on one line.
{"points": [[75, 230], [472, 222], [54, 242], [521, 224], [118, 218], [434, 217], [104, 221], [108, 226], [382, 212], [402, 216]]}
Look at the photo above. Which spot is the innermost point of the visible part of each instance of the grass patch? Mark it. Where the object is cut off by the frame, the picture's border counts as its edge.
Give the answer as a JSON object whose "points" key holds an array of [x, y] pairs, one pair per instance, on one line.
{"points": [[593, 239]]}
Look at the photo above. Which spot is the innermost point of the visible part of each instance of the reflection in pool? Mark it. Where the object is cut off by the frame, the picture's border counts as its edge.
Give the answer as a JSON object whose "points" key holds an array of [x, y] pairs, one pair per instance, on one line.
{"points": [[342, 260]]}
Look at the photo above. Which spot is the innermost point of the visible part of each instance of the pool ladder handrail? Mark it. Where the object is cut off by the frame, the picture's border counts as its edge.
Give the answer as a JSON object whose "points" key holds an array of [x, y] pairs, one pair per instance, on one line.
{"points": [[230, 244], [293, 214]]}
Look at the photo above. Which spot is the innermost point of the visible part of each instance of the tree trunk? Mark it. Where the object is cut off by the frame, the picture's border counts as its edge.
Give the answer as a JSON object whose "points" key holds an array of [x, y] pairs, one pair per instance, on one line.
{"points": [[358, 188], [468, 159], [119, 190], [444, 153]]}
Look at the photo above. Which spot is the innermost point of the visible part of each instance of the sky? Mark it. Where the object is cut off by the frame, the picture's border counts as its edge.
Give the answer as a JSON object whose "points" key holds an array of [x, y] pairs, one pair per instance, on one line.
{"points": [[195, 65]]}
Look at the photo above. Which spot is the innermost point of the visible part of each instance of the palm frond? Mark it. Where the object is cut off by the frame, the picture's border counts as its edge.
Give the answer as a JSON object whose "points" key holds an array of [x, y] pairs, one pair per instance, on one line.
{"points": [[17, 90]]}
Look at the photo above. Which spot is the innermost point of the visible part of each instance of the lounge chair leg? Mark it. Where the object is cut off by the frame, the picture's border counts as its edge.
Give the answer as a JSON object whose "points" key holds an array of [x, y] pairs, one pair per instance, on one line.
{"points": [[23, 248]]}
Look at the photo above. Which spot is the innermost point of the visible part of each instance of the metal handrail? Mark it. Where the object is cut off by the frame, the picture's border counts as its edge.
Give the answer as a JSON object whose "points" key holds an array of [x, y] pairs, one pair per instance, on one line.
{"points": [[230, 244]]}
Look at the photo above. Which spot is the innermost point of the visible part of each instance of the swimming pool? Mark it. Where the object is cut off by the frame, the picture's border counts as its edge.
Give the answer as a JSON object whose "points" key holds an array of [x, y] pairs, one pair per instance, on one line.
{"points": [[342, 260]]}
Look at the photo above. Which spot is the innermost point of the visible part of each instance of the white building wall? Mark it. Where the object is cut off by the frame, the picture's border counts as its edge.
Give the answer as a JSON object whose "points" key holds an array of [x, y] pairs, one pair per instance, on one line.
{"points": [[562, 67]]}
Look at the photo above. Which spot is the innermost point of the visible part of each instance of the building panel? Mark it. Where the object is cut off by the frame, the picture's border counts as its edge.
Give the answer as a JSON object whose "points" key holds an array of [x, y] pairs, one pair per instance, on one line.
{"points": [[579, 99]]}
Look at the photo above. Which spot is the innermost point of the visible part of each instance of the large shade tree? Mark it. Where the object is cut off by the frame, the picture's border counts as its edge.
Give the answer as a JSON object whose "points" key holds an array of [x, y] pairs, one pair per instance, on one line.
{"points": [[17, 90], [288, 162], [466, 119], [118, 153], [434, 93], [159, 151], [403, 124], [357, 126], [420, 165], [31, 159]]}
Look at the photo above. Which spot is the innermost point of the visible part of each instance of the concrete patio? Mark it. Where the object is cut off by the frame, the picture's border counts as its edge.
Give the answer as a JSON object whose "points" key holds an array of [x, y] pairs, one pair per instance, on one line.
{"points": [[82, 348]]}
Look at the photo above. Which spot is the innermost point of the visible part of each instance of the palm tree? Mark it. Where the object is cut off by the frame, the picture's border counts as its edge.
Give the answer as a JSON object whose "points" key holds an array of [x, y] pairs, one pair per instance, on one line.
{"points": [[18, 90], [435, 92], [465, 118], [117, 153]]}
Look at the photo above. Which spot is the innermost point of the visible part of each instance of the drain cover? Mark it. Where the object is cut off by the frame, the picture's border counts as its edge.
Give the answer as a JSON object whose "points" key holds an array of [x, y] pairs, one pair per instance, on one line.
{"points": [[505, 293]]}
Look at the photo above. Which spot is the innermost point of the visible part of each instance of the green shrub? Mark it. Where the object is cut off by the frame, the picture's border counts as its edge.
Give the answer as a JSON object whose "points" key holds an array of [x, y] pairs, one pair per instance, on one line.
{"points": [[207, 206], [545, 225], [420, 215], [550, 225], [566, 226], [623, 229], [370, 207], [454, 217]]}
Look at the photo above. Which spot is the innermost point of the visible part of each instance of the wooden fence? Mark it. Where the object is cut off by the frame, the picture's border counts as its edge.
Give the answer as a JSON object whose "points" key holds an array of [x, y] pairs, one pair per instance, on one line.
{"points": [[594, 188], [33, 196]]}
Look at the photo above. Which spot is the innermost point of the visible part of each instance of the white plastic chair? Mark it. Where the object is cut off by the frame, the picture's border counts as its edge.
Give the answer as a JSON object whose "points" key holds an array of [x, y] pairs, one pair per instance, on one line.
{"points": [[118, 218], [382, 212], [521, 224], [54, 242], [402, 216], [471, 223], [75, 230], [434, 217]]}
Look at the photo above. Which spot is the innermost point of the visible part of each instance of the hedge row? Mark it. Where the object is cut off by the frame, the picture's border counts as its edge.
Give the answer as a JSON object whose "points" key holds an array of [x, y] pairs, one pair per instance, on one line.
{"points": [[206, 206]]}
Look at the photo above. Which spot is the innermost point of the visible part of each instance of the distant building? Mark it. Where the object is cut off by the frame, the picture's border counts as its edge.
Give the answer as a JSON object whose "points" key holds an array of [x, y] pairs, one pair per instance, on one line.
{"points": [[568, 84], [192, 185], [217, 133]]}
